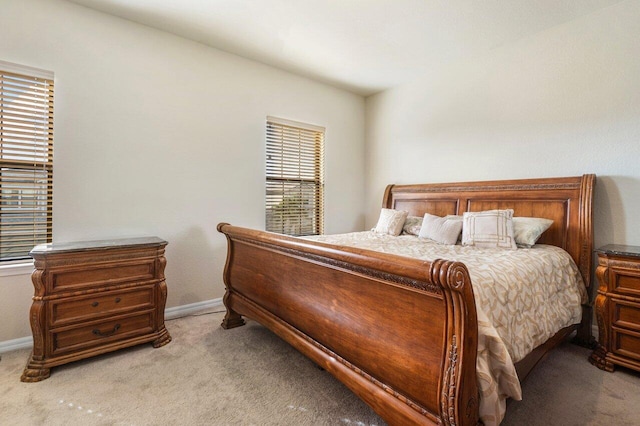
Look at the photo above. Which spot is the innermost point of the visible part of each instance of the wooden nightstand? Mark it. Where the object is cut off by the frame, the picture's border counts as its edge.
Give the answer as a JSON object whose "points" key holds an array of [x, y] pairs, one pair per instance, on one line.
{"points": [[618, 308], [95, 297]]}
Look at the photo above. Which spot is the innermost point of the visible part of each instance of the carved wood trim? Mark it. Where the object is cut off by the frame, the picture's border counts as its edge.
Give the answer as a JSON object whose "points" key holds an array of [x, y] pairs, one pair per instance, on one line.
{"points": [[601, 313], [480, 188], [161, 265], [462, 344], [449, 389], [37, 278], [585, 262], [373, 273], [599, 358], [38, 329]]}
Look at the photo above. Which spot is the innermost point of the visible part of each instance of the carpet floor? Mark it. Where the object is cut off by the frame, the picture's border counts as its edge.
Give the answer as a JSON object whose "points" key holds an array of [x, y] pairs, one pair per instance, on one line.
{"points": [[248, 376]]}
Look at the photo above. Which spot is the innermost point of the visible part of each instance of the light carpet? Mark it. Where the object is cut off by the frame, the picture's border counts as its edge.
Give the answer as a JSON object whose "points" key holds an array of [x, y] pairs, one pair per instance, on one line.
{"points": [[248, 376]]}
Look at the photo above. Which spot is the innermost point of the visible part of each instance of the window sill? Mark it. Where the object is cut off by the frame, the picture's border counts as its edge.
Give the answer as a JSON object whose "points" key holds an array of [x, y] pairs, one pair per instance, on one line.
{"points": [[22, 268]]}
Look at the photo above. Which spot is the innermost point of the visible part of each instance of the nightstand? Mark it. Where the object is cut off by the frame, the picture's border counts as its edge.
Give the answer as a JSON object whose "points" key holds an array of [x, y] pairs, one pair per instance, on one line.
{"points": [[95, 297], [618, 308]]}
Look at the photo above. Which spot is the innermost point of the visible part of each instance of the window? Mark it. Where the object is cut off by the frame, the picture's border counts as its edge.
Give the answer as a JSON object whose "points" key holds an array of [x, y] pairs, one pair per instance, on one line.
{"points": [[295, 181], [26, 159]]}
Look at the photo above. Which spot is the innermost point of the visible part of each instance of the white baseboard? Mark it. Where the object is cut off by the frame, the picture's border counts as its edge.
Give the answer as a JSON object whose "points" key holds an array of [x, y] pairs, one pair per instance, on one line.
{"points": [[15, 344], [169, 313], [192, 308]]}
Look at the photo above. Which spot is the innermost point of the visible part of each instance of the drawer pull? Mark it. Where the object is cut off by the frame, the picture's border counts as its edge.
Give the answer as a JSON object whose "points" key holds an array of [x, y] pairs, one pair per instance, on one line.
{"points": [[118, 300], [94, 304], [107, 334]]}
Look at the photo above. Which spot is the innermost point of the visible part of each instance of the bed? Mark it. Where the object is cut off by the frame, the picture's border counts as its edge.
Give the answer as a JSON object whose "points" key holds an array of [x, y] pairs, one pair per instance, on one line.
{"points": [[400, 332]]}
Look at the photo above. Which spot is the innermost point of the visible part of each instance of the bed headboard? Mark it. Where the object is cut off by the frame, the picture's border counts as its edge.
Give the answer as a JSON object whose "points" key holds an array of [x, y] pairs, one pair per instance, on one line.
{"points": [[567, 201]]}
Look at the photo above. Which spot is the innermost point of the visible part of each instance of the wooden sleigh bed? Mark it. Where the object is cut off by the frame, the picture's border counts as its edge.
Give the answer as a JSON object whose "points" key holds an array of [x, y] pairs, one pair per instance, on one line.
{"points": [[401, 333]]}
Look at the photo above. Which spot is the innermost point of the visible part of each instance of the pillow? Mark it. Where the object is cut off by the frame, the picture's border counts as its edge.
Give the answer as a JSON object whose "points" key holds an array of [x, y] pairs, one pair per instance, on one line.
{"points": [[490, 228], [454, 217], [412, 225], [527, 230], [459, 219], [440, 229], [391, 221]]}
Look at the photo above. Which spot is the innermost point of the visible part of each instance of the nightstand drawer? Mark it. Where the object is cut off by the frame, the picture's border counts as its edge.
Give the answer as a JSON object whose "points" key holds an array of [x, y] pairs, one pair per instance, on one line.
{"points": [[626, 343], [625, 314], [100, 333], [625, 281], [82, 308], [98, 276]]}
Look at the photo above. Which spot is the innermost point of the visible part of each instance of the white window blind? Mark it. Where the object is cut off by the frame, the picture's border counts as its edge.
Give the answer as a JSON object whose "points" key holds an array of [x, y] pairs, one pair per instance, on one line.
{"points": [[295, 178], [26, 160]]}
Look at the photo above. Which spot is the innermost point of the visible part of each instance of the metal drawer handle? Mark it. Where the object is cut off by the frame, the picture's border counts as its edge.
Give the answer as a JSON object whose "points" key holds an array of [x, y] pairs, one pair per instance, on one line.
{"points": [[107, 334], [118, 300], [94, 304]]}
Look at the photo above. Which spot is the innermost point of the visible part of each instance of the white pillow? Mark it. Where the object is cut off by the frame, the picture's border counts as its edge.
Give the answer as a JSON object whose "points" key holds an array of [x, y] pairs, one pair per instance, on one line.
{"points": [[490, 228], [412, 225], [459, 219], [527, 230], [440, 229], [391, 221]]}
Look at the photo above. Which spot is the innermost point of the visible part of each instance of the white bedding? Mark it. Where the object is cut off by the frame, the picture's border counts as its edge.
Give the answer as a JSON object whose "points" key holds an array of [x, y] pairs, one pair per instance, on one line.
{"points": [[523, 297]]}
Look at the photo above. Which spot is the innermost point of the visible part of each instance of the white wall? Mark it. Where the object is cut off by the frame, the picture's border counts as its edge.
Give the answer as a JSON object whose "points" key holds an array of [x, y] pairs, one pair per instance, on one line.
{"points": [[561, 103], [157, 135]]}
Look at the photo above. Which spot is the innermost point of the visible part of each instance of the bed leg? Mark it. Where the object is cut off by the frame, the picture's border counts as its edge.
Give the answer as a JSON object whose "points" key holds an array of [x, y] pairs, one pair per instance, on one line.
{"points": [[232, 320], [584, 336]]}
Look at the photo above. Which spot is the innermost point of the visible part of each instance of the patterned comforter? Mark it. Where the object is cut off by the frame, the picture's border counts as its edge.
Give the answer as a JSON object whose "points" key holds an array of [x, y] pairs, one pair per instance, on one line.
{"points": [[523, 297]]}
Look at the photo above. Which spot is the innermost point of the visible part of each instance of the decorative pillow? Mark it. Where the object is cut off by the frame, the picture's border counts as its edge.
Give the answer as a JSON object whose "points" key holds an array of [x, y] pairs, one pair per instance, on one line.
{"points": [[459, 219], [454, 217], [527, 230], [391, 221], [412, 225], [490, 228], [440, 229]]}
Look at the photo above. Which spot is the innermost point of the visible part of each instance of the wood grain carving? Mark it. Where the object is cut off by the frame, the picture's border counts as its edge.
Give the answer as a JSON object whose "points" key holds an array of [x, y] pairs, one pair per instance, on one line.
{"points": [[599, 356], [449, 388], [401, 333], [461, 338]]}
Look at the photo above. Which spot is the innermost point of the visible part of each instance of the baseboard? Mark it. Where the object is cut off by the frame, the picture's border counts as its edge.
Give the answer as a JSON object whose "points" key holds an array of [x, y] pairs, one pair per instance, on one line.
{"points": [[169, 313], [192, 308], [15, 344]]}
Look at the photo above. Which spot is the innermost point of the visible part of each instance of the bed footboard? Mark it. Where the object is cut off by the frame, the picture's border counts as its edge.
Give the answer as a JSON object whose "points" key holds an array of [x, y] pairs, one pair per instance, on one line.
{"points": [[400, 333]]}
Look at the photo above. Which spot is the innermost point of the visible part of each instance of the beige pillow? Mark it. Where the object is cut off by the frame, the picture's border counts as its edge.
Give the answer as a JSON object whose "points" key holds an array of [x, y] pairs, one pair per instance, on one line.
{"points": [[391, 221], [440, 229], [459, 219], [527, 230], [490, 228], [412, 225]]}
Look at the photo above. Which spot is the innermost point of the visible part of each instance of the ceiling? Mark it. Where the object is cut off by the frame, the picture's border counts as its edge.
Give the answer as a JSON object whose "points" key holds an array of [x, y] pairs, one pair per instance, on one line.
{"points": [[364, 46]]}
